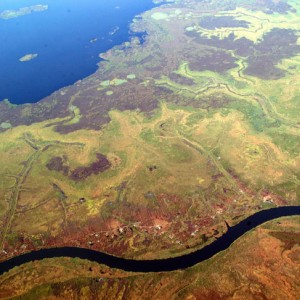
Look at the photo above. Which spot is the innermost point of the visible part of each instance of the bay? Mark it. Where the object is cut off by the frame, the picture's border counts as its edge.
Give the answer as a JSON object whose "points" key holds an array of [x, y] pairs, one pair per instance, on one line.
{"points": [[61, 36]]}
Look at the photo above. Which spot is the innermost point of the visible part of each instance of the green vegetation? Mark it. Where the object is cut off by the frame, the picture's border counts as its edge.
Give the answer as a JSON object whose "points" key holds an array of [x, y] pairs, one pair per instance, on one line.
{"points": [[197, 126]]}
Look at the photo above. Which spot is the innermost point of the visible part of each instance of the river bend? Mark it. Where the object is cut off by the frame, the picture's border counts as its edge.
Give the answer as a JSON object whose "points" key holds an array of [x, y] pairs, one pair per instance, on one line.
{"points": [[157, 265]]}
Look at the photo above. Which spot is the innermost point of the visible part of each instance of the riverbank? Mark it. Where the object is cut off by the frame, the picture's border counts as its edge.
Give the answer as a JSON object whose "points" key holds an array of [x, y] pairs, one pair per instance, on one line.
{"points": [[161, 265]]}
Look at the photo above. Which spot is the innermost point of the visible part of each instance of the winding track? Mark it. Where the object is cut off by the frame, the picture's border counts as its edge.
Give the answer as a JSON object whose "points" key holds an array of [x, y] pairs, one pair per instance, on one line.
{"points": [[158, 265]]}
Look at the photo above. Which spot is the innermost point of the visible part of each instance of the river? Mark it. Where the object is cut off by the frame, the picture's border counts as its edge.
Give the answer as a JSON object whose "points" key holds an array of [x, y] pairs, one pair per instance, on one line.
{"points": [[158, 265]]}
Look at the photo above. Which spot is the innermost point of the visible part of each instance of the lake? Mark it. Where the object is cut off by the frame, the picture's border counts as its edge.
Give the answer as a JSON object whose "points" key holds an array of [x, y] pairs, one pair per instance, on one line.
{"points": [[67, 37]]}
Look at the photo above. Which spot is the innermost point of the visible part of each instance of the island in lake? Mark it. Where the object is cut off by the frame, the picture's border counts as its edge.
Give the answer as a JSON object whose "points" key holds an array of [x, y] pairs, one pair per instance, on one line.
{"points": [[94, 40], [9, 14], [28, 57]]}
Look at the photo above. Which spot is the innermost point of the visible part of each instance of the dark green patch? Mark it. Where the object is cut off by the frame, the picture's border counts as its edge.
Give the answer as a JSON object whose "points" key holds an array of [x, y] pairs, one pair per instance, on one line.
{"points": [[286, 188], [287, 142], [276, 45], [212, 22], [27, 114], [216, 60], [59, 192], [95, 105], [180, 79], [289, 239], [261, 58], [242, 45], [209, 102], [255, 115], [60, 165], [100, 165], [273, 6], [57, 163], [14, 238]]}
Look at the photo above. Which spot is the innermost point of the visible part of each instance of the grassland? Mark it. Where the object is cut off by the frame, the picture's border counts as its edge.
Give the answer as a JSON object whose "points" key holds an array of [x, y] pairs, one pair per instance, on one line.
{"points": [[169, 140], [216, 145], [199, 166]]}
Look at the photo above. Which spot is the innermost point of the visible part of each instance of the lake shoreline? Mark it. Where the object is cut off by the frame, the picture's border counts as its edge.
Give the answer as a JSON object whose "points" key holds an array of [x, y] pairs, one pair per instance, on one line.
{"points": [[59, 66]]}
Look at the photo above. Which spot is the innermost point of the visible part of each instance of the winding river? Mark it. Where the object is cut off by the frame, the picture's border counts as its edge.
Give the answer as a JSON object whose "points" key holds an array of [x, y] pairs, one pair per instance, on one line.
{"points": [[158, 265]]}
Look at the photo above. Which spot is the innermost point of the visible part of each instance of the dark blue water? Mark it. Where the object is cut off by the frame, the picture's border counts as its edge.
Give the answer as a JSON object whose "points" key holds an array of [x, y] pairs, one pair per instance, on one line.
{"points": [[61, 37], [158, 265]]}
